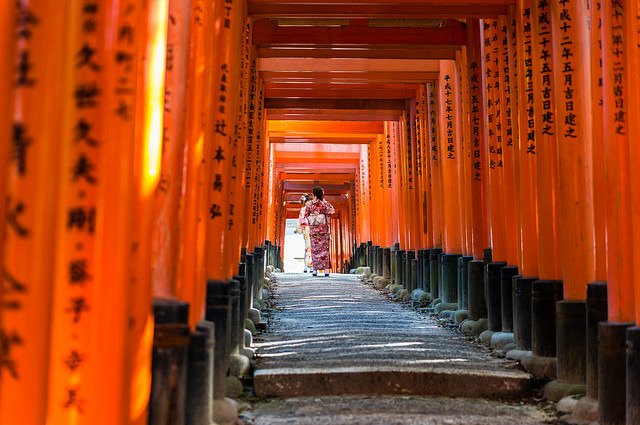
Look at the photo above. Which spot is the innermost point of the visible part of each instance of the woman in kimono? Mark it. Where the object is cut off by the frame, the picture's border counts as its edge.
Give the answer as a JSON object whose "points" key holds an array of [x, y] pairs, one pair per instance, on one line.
{"points": [[318, 213], [303, 228]]}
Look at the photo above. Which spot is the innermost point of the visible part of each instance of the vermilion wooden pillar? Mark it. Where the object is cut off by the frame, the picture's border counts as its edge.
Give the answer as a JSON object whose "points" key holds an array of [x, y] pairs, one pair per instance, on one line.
{"points": [[80, 164], [237, 149], [620, 274], [422, 167], [573, 100], [190, 285], [147, 159], [464, 165], [167, 197], [253, 133], [7, 23], [382, 209], [508, 99], [31, 207], [435, 168], [364, 220], [494, 140], [415, 231], [402, 172], [632, 33], [546, 142], [223, 116], [394, 166], [597, 149], [449, 157], [527, 150], [478, 154], [391, 177], [116, 204]]}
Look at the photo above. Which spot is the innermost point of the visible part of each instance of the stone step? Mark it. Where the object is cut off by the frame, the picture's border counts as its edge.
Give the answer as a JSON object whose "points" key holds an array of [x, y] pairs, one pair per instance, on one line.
{"points": [[425, 381]]}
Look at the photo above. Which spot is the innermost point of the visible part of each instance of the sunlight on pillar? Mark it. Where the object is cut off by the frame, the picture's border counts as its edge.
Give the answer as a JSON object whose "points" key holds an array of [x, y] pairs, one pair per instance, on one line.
{"points": [[157, 39], [141, 379]]}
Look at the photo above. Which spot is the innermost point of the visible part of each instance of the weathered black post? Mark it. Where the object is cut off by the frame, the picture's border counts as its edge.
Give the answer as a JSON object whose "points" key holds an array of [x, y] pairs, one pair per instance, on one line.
{"points": [[199, 405], [169, 362], [218, 311], [506, 286], [494, 296], [545, 294]]}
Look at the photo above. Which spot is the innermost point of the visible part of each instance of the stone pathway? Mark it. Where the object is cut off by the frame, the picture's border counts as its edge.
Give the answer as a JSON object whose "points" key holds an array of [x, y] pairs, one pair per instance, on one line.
{"points": [[338, 351]]}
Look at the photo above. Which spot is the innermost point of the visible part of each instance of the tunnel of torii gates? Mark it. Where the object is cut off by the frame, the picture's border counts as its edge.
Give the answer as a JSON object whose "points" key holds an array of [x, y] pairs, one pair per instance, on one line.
{"points": [[154, 148]]}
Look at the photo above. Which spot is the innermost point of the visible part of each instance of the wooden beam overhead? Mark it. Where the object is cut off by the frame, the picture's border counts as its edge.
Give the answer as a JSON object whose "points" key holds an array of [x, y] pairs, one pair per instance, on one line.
{"points": [[289, 186], [311, 93], [347, 65], [288, 175], [325, 140], [265, 34], [344, 104], [417, 52], [326, 157], [333, 115], [309, 166], [375, 9], [344, 77], [312, 126]]}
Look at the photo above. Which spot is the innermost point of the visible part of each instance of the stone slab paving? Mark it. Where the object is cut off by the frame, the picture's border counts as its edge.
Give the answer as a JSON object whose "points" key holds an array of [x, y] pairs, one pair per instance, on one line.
{"points": [[334, 335], [385, 410]]}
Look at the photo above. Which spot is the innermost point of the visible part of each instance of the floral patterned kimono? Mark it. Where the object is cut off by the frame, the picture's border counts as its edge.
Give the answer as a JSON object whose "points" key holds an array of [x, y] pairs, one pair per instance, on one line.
{"points": [[304, 226], [320, 234]]}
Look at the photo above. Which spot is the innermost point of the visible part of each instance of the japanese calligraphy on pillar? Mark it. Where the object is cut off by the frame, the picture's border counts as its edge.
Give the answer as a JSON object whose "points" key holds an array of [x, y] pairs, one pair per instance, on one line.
{"points": [[529, 94], [506, 93], [409, 154], [566, 109], [79, 183], [433, 123], [618, 66], [388, 156], [474, 96], [543, 75], [257, 160], [449, 123], [493, 88], [18, 216], [419, 135]]}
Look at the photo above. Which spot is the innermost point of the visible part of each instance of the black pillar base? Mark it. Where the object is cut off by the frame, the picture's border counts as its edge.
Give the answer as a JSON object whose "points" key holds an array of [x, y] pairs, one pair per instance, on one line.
{"points": [[409, 273], [572, 341], [199, 404], [426, 273], [419, 272], [522, 312], [477, 302], [386, 263], [171, 338], [402, 271], [494, 296], [393, 265], [633, 375], [596, 313], [612, 373], [414, 275], [506, 286], [379, 263], [545, 294], [218, 311], [463, 282], [434, 272], [449, 277]]}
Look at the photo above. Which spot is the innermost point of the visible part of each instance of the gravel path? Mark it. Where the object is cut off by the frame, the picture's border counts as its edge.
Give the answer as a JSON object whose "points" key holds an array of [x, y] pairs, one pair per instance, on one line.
{"points": [[338, 322]]}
